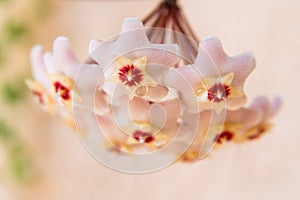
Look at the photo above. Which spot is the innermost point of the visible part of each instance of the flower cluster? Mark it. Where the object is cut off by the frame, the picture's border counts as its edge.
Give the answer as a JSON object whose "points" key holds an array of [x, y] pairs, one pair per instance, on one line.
{"points": [[142, 95]]}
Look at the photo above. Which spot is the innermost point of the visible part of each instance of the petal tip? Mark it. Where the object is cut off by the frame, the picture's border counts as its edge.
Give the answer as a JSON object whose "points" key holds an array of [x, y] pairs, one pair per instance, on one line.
{"points": [[60, 41], [277, 102], [94, 43], [61, 38], [131, 23], [47, 56], [210, 39], [249, 59], [36, 49]]}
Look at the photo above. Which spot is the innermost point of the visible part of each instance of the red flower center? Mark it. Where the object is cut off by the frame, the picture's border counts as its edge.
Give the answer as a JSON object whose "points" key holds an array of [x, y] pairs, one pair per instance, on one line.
{"points": [[130, 75], [218, 92], [62, 90], [143, 137], [38, 96], [224, 136]]}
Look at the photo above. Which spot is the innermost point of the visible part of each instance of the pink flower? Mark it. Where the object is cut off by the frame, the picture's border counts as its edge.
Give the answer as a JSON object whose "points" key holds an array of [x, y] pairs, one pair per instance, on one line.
{"points": [[217, 79], [143, 98], [126, 60], [248, 123], [55, 71], [54, 78], [241, 125]]}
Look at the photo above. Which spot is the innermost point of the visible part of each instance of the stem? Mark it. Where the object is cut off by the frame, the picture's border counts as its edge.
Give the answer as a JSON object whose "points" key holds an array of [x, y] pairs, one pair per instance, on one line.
{"points": [[170, 2]]}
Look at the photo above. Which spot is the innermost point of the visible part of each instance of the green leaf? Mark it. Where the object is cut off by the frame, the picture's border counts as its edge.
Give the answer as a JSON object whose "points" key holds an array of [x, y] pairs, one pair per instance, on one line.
{"points": [[5, 131], [4, 1], [12, 93], [19, 163], [1, 54], [15, 30]]}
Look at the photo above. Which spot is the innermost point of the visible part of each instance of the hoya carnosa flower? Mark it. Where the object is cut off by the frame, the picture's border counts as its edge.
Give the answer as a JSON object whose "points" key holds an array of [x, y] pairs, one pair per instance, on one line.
{"points": [[52, 70], [241, 125], [54, 75], [140, 125], [223, 77], [249, 123], [268, 109], [133, 75], [131, 96], [126, 60], [129, 137], [216, 78]]}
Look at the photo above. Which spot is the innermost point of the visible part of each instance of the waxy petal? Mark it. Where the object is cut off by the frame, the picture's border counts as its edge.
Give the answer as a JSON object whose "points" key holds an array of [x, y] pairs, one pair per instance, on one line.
{"points": [[132, 34], [213, 61], [65, 58], [38, 67], [133, 42], [94, 44], [139, 110], [213, 66], [267, 108]]}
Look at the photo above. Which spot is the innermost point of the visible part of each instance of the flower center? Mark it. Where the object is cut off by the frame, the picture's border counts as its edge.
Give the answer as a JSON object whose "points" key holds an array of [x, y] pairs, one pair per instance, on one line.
{"points": [[38, 96], [218, 92], [224, 136], [143, 137], [130, 75], [62, 91]]}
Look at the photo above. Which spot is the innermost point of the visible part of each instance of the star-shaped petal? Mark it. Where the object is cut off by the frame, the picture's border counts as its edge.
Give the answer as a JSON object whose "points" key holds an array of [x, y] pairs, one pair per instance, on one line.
{"points": [[132, 47], [134, 42], [215, 73]]}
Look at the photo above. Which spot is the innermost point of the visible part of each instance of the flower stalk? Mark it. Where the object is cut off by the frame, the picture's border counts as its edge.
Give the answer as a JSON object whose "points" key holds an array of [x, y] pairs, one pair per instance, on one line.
{"points": [[171, 26]]}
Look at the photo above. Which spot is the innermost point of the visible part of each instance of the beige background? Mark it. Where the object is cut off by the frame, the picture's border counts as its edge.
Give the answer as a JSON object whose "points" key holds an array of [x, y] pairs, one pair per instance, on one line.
{"points": [[264, 169]]}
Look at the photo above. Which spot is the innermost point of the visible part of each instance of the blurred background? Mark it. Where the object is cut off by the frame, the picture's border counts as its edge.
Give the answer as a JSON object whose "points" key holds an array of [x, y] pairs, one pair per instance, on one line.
{"points": [[41, 158]]}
